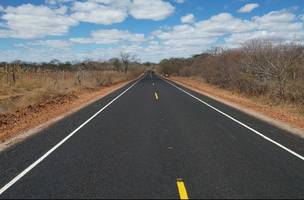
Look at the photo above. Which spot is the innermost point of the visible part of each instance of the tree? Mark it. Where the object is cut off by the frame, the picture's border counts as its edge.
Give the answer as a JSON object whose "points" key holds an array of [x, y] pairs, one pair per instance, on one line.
{"points": [[126, 59], [55, 62], [116, 63], [270, 61], [173, 65]]}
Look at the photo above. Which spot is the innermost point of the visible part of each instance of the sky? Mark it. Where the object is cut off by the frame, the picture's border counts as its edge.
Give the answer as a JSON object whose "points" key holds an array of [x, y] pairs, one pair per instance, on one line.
{"points": [[151, 30]]}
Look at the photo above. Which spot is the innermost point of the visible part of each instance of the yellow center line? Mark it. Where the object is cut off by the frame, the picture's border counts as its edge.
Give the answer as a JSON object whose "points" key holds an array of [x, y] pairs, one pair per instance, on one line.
{"points": [[182, 189], [156, 96]]}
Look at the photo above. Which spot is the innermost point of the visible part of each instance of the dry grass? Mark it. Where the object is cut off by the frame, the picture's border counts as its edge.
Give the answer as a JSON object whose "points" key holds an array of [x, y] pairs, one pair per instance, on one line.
{"points": [[284, 112], [35, 87]]}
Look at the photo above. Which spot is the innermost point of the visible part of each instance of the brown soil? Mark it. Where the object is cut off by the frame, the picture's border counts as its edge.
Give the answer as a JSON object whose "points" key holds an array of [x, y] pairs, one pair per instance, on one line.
{"points": [[12, 124], [283, 113]]}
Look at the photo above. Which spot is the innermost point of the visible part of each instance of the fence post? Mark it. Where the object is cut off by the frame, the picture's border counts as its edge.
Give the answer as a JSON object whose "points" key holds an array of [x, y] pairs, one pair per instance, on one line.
{"points": [[14, 74]]}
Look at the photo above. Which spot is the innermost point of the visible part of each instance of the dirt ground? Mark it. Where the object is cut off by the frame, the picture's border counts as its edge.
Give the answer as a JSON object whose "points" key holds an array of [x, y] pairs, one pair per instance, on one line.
{"points": [[284, 116]]}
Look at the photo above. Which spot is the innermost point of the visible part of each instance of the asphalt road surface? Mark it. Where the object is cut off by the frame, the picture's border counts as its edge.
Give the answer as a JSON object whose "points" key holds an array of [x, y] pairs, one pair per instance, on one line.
{"points": [[155, 139]]}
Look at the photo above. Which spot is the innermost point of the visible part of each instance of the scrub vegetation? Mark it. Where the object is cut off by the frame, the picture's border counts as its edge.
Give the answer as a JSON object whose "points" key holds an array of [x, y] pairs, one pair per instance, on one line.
{"points": [[273, 72]]}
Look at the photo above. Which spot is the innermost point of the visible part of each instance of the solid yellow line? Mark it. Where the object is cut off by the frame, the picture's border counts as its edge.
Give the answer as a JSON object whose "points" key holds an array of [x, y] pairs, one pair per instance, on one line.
{"points": [[182, 189], [156, 96]]}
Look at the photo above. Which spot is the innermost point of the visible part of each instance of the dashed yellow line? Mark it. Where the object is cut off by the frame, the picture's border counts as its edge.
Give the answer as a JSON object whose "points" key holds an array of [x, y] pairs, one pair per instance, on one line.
{"points": [[182, 189], [156, 96]]}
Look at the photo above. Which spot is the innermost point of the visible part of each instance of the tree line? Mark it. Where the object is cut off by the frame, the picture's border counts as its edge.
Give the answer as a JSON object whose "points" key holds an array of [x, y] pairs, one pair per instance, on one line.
{"points": [[10, 72], [258, 67]]}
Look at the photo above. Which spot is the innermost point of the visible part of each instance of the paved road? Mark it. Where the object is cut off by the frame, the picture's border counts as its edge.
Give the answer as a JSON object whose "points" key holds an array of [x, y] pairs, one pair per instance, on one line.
{"points": [[148, 135]]}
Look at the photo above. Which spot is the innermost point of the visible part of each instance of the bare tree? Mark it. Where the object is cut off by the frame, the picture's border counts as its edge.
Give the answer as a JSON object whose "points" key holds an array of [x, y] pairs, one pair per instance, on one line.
{"points": [[273, 61], [15, 64], [126, 59]]}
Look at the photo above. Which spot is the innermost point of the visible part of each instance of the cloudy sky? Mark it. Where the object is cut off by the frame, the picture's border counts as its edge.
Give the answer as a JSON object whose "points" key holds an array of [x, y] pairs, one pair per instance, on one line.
{"points": [[41, 30]]}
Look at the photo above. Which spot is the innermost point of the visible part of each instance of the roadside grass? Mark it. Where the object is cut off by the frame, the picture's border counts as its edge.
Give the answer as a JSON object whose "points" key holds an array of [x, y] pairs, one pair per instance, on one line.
{"points": [[32, 87]]}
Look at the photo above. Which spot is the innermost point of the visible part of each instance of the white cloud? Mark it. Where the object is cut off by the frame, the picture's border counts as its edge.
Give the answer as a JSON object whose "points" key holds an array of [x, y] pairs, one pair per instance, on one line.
{"points": [[187, 39], [248, 8], [277, 17], [111, 36], [55, 2], [38, 54], [98, 13], [281, 25], [4, 33], [34, 21], [60, 44], [116, 11], [29, 21], [203, 31], [180, 1], [114, 3], [42, 54], [215, 26], [188, 19], [147, 9]]}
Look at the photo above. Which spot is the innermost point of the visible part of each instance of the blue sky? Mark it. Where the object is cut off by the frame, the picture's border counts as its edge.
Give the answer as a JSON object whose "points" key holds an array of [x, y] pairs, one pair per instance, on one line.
{"points": [[72, 30]]}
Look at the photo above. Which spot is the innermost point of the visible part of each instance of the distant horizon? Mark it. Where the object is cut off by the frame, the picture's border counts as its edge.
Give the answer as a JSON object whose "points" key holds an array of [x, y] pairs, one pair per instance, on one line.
{"points": [[76, 30]]}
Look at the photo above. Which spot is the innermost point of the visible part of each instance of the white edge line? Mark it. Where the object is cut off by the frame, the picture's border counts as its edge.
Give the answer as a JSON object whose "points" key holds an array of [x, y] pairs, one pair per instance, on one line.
{"points": [[29, 168], [237, 121]]}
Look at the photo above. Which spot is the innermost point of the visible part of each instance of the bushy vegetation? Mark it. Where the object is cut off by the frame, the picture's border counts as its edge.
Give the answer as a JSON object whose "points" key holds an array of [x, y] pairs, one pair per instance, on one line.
{"points": [[258, 68]]}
